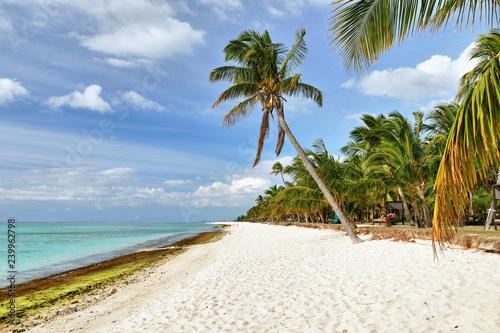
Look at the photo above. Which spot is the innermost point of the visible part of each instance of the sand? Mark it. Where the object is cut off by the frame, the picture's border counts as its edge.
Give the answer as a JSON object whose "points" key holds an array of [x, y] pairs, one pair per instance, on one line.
{"points": [[264, 278]]}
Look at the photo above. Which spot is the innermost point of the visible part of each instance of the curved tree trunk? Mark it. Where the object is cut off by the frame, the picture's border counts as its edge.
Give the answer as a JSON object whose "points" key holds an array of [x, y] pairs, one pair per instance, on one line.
{"points": [[283, 179], [415, 207], [425, 207], [342, 217], [405, 206]]}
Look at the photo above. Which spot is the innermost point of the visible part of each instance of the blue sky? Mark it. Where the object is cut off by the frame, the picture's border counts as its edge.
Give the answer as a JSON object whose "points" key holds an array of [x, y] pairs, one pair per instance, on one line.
{"points": [[105, 106]]}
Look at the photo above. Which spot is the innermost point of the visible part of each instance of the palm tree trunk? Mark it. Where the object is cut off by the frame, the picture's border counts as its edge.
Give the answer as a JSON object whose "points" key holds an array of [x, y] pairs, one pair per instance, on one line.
{"points": [[343, 219], [352, 224], [415, 207], [491, 211], [405, 206], [425, 207], [307, 219]]}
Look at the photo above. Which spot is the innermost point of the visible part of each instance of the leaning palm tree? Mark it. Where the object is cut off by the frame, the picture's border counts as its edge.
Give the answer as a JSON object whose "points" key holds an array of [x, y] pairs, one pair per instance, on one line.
{"points": [[278, 169], [265, 76]]}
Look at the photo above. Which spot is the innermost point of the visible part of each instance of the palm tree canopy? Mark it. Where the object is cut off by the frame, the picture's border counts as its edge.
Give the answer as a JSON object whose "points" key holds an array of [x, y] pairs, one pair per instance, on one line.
{"points": [[474, 141], [277, 168], [264, 76], [362, 30]]}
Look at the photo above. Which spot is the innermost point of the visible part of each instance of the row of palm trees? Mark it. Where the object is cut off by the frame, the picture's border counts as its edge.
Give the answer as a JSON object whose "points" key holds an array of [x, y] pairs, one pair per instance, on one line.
{"points": [[389, 158]]}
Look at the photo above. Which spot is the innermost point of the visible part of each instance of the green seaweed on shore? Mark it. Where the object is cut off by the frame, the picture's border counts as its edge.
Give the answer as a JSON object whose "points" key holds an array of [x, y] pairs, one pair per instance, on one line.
{"points": [[64, 288]]}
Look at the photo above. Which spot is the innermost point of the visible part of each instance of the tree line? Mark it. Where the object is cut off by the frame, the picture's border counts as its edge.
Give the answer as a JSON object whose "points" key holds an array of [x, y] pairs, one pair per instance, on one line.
{"points": [[389, 158]]}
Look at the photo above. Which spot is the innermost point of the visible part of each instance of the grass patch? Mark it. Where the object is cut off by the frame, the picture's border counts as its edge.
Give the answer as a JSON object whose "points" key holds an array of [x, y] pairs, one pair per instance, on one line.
{"points": [[63, 288]]}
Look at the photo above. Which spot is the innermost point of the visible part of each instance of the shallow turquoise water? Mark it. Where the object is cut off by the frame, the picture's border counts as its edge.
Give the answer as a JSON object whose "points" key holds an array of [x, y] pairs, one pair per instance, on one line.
{"points": [[47, 248]]}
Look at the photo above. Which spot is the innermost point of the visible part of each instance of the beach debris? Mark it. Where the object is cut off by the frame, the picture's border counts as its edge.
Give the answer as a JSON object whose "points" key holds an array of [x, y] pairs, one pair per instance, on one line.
{"points": [[112, 291], [18, 330]]}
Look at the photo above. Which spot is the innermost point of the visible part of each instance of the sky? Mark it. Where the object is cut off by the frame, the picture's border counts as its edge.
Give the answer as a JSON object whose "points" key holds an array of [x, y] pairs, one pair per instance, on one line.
{"points": [[105, 105]]}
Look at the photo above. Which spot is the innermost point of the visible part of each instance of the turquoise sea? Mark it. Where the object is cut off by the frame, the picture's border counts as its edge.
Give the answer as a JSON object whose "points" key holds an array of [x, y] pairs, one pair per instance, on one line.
{"points": [[46, 248]]}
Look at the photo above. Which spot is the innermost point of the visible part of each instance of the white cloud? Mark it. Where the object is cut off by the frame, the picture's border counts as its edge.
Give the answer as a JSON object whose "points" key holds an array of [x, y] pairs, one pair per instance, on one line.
{"points": [[139, 102], [177, 182], [349, 84], [275, 12], [79, 184], [224, 8], [124, 28], [89, 99], [282, 8], [432, 104], [435, 77], [239, 192], [5, 24], [76, 176], [10, 90], [300, 106], [122, 187], [234, 189], [148, 40], [121, 63], [354, 116]]}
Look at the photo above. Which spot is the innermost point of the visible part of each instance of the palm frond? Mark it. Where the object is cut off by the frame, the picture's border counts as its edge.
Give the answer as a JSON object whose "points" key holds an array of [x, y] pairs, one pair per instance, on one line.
{"points": [[307, 91], [466, 13], [472, 148], [362, 30], [236, 91], [233, 74], [240, 111], [263, 134], [280, 141], [297, 54]]}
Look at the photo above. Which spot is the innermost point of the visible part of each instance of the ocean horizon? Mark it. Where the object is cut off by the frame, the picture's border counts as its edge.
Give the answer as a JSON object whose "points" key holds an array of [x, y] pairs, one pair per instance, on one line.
{"points": [[47, 248]]}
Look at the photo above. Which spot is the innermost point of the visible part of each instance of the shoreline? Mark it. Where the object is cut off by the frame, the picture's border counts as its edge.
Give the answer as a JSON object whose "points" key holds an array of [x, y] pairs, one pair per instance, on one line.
{"points": [[47, 293], [269, 278], [58, 260]]}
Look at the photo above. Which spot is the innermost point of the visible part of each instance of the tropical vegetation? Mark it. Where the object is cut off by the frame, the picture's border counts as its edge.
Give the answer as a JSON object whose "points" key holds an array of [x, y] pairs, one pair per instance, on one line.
{"points": [[389, 158], [362, 30]]}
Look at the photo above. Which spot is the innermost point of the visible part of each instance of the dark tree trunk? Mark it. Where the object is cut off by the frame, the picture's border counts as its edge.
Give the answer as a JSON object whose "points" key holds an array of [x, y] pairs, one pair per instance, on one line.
{"points": [[425, 207], [405, 206]]}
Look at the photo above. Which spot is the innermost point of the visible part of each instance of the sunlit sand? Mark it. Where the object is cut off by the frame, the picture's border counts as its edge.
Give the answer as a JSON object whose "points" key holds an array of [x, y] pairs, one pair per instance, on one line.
{"points": [[264, 278]]}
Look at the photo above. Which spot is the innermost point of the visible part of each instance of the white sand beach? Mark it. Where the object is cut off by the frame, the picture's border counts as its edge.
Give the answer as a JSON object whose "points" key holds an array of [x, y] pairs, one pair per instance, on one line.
{"points": [[264, 278]]}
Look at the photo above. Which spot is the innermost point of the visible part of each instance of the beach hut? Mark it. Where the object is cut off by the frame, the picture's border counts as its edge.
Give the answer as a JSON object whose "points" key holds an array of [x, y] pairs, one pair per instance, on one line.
{"points": [[375, 209], [391, 206]]}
